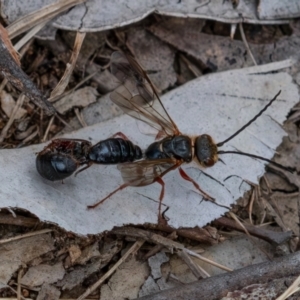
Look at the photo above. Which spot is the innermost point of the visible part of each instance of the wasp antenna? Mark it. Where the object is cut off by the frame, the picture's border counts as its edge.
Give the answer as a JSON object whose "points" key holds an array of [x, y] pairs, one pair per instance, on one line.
{"points": [[258, 157], [251, 121]]}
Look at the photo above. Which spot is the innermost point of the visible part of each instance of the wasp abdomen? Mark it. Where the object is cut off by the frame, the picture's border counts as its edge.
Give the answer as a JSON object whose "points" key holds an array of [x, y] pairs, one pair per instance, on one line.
{"points": [[114, 151], [55, 166]]}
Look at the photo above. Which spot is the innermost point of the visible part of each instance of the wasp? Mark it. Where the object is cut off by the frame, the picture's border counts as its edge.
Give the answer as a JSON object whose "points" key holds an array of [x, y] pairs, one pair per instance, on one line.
{"points": [[62, 157], [137, 97]]}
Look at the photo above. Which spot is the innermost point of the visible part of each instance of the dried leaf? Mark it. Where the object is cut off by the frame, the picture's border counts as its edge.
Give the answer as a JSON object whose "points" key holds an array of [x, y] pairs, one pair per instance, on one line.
{"points": [[217, 104], [19, 252], [38, 275], [8, 104], [80, 98]]}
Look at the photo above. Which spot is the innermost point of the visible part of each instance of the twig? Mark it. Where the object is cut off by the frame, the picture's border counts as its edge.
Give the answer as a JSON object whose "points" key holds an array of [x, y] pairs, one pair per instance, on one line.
{"points": [[158, 248], [157, 239], [196, 269], [26, 235], [272, 237], [214, 287], [18, 220], [134, 248]]}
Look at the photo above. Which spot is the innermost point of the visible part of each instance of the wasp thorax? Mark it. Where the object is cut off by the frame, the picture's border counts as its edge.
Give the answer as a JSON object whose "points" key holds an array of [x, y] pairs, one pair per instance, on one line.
{"points": [[206, 150]]}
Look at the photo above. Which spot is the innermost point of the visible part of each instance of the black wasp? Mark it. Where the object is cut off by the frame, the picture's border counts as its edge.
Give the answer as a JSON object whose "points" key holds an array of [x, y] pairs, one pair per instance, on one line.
{"points": [[137, 97]]}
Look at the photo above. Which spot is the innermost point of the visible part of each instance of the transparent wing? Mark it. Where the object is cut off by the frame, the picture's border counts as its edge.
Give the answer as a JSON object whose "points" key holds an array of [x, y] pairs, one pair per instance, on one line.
{"points": [[137, 96], [144, 172]]}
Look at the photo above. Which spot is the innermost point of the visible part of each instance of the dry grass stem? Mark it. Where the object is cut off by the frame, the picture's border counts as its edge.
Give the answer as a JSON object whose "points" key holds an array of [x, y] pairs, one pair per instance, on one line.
{"points": [[30, 34], [48, 128], [40, 16], [292, 289], [169, 244], [26, 235], [80, 117], [5, 129], [64, 81], [196, 269]]}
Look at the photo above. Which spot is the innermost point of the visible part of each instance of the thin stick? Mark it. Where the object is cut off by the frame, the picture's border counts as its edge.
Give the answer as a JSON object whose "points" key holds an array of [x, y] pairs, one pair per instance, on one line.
{"points": [[48, 128], [198, 271], [134, 248], [251, 121], [22, 236], [169, 244]]}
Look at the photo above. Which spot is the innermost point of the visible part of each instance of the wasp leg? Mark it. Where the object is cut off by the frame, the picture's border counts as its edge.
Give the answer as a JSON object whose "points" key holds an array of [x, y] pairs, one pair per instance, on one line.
{"points": [[84, 168], [121, 187], [161, 197], [121, 135], [196, 185]]}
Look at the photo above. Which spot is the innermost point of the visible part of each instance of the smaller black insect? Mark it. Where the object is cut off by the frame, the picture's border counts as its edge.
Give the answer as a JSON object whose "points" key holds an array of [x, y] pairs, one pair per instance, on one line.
{"points": [[62, 157]]}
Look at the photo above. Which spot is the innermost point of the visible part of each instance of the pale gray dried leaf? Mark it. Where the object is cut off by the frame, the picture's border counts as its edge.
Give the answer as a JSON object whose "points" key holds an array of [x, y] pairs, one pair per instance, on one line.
{"points": [[42, 273], [287, 207], [16, 253], [126, 281], [216, 104], [48, 292], [236, 253], [8, 104], [103, 109], [149, 287], [221, 53], [278, 9], [155, 57], [151, 284], [80, 98], [87, 16], [76, 276], [155, 263]]}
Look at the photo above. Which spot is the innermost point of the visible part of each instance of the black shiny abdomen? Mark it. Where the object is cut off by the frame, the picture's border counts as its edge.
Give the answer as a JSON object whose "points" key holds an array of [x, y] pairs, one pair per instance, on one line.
{"points": [[179, 147], [55, 166], [114, 151]]}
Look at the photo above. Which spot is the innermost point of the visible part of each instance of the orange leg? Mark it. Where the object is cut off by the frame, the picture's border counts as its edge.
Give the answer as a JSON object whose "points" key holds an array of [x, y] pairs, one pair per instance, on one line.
{"points": [[121, 135], [161, 197], [121, 187], [84, 168], [196, 185]]}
